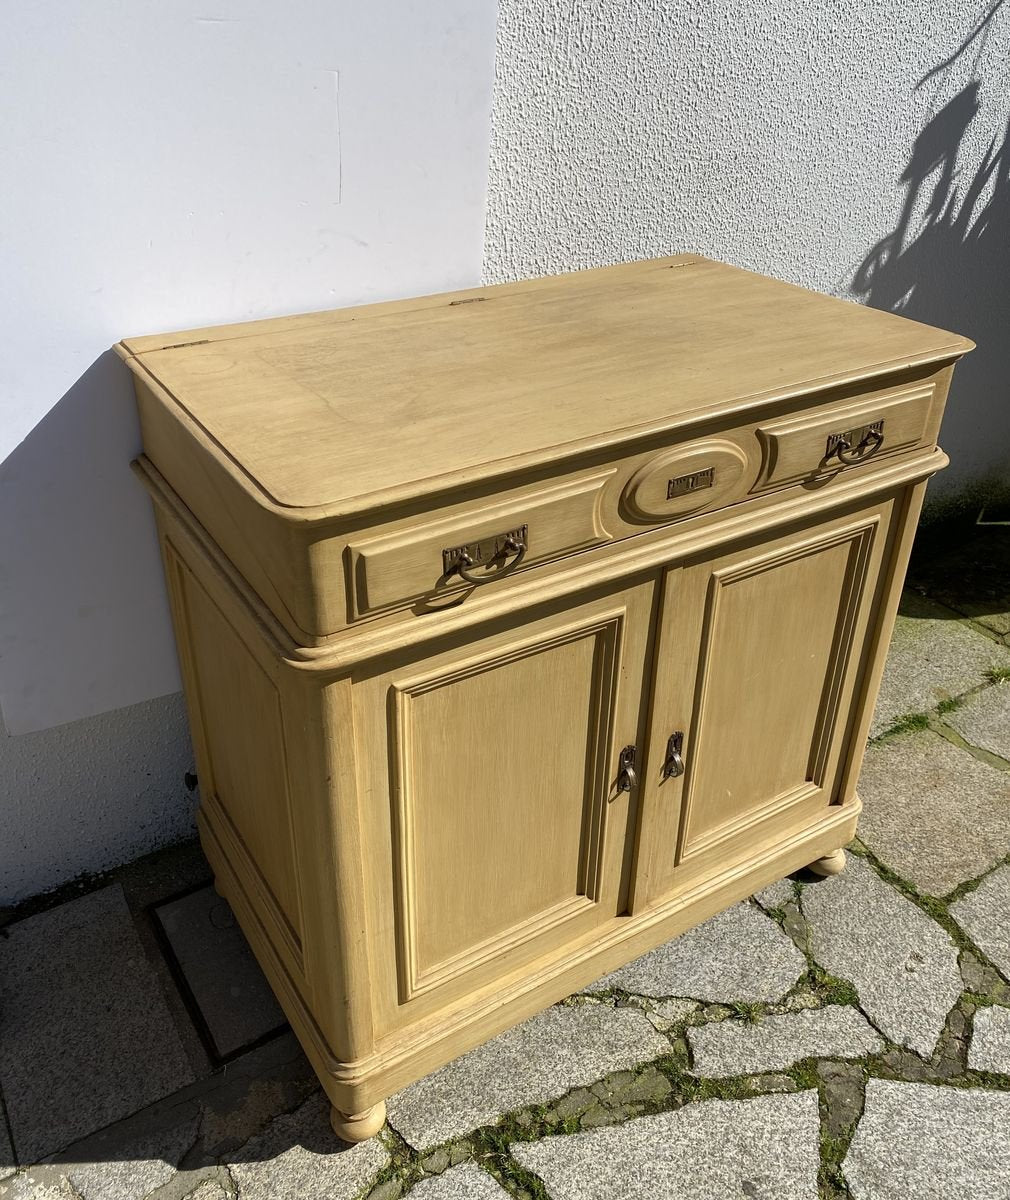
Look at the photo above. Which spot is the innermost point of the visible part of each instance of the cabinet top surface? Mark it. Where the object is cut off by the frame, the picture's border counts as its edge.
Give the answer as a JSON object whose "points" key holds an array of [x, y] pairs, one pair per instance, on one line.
{"points": [[339, 409]]}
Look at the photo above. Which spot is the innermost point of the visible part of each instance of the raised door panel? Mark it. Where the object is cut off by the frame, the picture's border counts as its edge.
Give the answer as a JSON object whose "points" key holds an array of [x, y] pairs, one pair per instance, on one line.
{"points": [[759, 652], [505, 831]]}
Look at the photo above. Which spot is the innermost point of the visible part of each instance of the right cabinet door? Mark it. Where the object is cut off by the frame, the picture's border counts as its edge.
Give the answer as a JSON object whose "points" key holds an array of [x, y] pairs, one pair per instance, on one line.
{"points": [[760, 656]]}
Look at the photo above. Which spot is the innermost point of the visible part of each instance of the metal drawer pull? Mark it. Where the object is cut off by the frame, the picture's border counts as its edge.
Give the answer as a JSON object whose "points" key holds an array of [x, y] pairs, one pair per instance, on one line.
{"points": [[674, 762], [626, 775], [856, 445], [487, 552]]}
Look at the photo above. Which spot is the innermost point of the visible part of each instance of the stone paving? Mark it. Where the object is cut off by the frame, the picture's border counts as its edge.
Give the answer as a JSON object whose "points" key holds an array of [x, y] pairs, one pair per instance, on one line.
{"points": [[840, 1039]]}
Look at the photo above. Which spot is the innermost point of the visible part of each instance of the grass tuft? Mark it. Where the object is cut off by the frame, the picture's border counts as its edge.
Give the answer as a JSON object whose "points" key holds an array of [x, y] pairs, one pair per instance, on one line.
{"points": [[910, 723], [998, 674]]}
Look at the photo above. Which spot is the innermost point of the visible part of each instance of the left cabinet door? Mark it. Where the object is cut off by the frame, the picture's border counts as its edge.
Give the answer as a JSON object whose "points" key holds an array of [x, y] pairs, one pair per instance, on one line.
{"points": [[494, 830]]}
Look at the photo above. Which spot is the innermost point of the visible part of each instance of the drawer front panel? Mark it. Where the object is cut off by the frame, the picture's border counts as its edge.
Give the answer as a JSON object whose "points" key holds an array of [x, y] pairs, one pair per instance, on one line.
{"points": [[820, 444], [687, 479], [407, 565]]}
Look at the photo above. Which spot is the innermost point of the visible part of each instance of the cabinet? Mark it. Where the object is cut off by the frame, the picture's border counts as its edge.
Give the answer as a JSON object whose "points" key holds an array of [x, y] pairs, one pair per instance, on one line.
{"points": [[522, 629]]}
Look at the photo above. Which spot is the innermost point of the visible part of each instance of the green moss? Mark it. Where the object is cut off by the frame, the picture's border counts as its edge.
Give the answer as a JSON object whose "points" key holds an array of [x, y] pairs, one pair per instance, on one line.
{"points": [[831, 1181], [998, 674], [950, 704], [803, 1074], [910, 723], [749, 1011]]}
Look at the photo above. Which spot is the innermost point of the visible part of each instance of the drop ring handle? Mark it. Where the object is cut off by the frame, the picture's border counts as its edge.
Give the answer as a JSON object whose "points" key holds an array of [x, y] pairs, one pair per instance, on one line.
{"points": [[511, 545], [852, 456]]}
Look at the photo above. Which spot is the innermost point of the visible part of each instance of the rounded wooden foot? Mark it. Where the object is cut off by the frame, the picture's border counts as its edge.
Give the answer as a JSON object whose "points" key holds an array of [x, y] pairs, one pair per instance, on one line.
{"points": [[358, 1127], [219, 889], [830, 864]]}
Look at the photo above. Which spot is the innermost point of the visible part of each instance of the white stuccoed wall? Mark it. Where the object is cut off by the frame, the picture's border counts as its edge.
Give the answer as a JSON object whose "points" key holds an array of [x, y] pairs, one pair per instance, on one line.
{"points": [[165, 166], [772, 134]]}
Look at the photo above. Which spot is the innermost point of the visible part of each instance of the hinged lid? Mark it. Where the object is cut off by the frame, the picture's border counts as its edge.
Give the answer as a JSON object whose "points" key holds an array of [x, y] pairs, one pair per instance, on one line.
{"points": [[338, 411]]}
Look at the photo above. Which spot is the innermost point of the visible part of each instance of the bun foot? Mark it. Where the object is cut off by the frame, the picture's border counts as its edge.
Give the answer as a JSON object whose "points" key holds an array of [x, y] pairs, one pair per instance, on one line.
{"points": [[830, 864], [358, 1127]]}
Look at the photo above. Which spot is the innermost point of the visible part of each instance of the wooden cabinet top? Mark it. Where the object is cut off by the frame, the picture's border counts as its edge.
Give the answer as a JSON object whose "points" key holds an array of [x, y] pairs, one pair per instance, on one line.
{"points": [[411, 397]]}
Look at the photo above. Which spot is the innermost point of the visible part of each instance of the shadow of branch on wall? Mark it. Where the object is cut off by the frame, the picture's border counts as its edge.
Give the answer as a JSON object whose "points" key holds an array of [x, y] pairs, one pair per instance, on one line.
{"points": [[947, 260]]}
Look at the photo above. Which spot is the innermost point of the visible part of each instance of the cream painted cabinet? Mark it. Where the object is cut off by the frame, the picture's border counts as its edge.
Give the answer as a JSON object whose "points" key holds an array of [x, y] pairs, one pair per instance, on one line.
{"points": [[523, 628], [760, 657], [504, 835]]}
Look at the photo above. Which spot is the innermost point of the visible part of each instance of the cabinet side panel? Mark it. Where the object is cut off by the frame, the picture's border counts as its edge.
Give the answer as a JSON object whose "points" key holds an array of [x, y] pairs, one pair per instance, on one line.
{"points": [[238, 708]]}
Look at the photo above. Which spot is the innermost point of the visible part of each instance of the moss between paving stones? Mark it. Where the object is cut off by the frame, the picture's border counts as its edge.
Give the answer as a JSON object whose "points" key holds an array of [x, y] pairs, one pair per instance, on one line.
{"points": [[667, 1083]]}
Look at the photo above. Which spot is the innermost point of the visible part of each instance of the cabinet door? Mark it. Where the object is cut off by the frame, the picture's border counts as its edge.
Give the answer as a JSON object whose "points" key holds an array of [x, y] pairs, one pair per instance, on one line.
{"points": [[760, 651], [488, 773]]}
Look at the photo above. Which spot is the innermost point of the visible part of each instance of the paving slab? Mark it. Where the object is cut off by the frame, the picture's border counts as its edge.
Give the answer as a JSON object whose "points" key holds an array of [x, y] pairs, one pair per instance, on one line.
{"points": [[230, 990], [739, 954], [984, 720], [776, 894], [932, 657], [298, 1156], [29, 1186], [990, 1041], [902, 964], [209, 1190], [664, 1014], [137, 1169], [744, 1048], [565, 1047], [763, 1149], [7, 1160], [87, 1035], [968, 569], [465, 1182], [932, 812], [984, 915], [930, 1142]]}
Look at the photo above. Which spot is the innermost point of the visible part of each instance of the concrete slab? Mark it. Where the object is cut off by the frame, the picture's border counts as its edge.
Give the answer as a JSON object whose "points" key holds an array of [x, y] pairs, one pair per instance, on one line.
{"points": [[137, 1170], [765, 1149], [8, 1163], [465, 1182], [933, 1143], [87, 1035], [776, 894], [562, 1048], [298, 1156], [990, 1041], [984, 915], [903, 965], [772, 1043], [231, 992], [932, 657], [739, 954], [932, 812], [30, 1186], [984, 720], [968, 569]]}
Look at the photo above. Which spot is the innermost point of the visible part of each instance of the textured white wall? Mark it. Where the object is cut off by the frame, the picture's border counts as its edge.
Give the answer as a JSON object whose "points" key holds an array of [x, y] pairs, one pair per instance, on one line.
{"points": [[165, 166], [179, 164], [773, 134], [92, 794]]}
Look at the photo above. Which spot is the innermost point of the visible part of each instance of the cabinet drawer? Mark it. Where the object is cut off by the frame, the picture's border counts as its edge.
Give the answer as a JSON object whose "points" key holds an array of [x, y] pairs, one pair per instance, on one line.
{"points": [[395, 568], [819, 444]]}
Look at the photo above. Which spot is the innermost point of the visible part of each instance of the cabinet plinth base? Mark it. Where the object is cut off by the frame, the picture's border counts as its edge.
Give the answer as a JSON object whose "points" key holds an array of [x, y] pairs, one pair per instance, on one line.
{"points": [[829, 864], [358, 1127]]}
